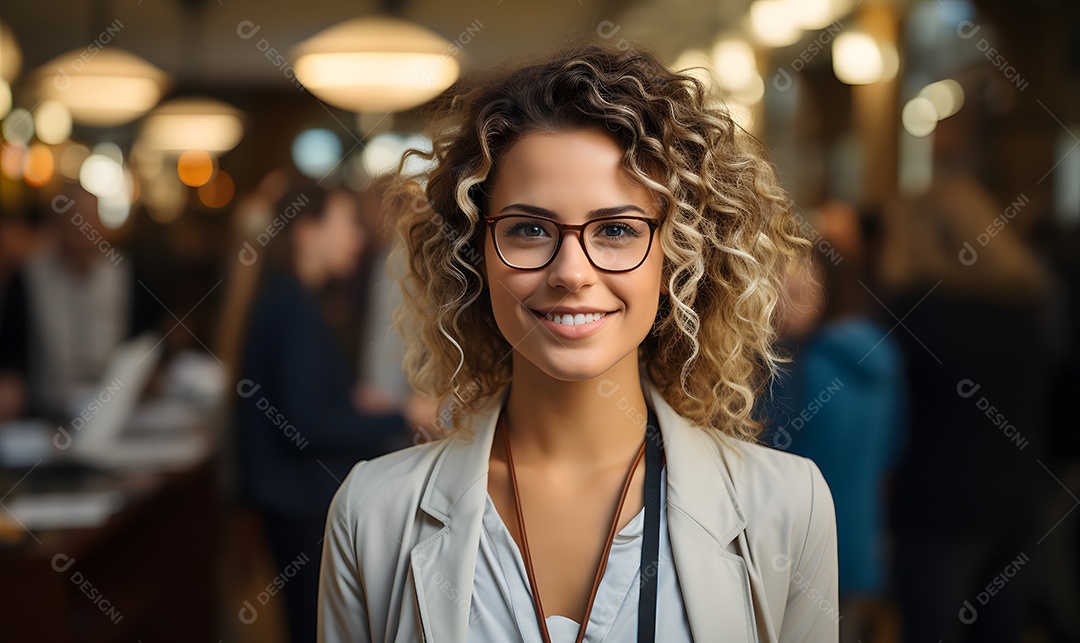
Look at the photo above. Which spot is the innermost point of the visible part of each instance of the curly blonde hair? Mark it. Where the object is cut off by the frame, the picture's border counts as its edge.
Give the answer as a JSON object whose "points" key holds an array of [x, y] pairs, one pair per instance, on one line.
{"points": [[727, 231]]}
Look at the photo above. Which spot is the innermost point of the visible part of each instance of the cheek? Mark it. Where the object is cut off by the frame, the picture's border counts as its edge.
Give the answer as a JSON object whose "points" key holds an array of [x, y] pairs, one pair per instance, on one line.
{"points": [[506, 317], [507, 294]]}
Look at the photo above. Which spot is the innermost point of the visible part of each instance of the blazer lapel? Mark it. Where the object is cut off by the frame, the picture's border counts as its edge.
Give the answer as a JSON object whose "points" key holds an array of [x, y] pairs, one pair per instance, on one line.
{"points": [[443, 564], [704, 517]]}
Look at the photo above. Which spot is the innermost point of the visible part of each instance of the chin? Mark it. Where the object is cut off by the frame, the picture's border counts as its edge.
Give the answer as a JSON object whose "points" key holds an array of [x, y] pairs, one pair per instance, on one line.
{"points": [[576, 367]]}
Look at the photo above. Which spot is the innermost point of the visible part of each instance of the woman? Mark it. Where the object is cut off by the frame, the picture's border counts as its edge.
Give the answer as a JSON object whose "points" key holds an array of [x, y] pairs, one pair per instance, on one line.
{"points": [[298, 431], [592, 268]]}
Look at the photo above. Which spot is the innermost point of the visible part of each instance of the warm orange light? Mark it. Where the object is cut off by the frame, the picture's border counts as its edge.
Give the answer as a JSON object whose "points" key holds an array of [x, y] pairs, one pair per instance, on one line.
{"points": [[39, 165], [218, 193], [195, 168], [12, 158]]}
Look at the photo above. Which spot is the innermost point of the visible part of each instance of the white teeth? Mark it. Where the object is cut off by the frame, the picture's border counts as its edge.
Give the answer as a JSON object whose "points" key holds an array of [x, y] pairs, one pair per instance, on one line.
{"points": [[574, 320]]}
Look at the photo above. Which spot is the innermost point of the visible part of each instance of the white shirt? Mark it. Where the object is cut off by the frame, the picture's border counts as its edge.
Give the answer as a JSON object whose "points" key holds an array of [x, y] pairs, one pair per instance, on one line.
{"points": [[76, 321], [502, 607]]}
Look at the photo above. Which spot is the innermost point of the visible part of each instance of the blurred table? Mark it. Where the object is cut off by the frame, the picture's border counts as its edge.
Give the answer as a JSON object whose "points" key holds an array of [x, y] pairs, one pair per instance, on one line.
{"points": [[147, 573]]}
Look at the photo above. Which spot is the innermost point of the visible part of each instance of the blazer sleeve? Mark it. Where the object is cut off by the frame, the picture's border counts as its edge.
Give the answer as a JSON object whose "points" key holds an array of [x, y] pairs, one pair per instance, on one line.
{"points": [[812, 614], [342, 603]]}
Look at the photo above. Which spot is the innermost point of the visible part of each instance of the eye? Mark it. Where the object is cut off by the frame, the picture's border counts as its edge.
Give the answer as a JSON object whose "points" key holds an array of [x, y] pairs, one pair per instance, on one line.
{"points": [[617, 230], [525, 229]]}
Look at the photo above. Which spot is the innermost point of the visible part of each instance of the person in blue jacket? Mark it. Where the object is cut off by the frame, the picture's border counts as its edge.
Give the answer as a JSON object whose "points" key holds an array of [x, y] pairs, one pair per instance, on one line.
{"points": [[843, 404]]}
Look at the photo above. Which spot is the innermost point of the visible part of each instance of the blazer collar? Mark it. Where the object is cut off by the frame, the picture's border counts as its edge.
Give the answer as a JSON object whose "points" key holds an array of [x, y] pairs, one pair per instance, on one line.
{"points": [[703, 518]]}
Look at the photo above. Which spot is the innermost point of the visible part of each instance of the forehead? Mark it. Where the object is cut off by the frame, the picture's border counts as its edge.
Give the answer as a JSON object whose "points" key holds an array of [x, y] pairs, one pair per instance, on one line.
{"points": [[569, 172]]}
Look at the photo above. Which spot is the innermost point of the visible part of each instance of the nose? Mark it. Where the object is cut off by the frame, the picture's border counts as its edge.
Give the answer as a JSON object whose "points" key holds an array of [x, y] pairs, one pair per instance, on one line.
{"points": [[570, 269]]}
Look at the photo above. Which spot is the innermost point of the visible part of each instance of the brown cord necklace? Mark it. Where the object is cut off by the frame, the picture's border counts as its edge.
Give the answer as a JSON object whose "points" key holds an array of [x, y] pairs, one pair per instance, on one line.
{"points": [[525, 541]]}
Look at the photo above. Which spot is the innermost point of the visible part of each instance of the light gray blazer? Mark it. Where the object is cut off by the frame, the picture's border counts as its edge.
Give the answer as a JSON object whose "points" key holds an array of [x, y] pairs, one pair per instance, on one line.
{"points": [[752, 530]]}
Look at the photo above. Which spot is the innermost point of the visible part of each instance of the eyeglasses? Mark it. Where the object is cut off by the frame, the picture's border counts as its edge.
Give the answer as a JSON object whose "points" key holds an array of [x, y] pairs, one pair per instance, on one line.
{"points": [[612, 244]]}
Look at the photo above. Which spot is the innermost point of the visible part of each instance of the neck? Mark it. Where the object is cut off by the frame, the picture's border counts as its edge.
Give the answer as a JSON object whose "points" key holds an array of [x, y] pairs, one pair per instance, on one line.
{"points": [[587, 425]]}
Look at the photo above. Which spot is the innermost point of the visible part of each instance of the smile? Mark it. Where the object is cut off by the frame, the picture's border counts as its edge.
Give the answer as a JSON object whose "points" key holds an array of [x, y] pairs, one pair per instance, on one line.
{"points": [[574, 320], [574, 325]]}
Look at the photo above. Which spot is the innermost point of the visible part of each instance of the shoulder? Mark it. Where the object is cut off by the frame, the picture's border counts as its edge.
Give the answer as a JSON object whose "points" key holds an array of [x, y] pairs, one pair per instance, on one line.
{"points": [[769, 488], [857, 344], [389, 487], [281, 300], [777, 489]]}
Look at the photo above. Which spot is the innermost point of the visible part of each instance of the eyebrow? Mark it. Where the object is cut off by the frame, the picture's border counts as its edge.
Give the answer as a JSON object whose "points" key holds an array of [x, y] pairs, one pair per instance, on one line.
{"points": [[594, 214]]}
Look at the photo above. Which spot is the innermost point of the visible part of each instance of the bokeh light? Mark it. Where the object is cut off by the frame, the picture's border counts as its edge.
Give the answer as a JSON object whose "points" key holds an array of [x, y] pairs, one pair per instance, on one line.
{"points": [[947, 96], [315, 152], [18, 126], [859, 59], [383, 153], [101, 175], [698, 64], [774, 23], [734, 62], [919, 117], [53, 122], [195, 168], [813, 14], [40, 165], [12, 157], [114, 209], [111, 150], [219, 191]]}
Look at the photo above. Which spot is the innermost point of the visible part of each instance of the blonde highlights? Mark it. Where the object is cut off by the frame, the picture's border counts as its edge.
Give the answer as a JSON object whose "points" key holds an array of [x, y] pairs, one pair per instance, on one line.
{"points": [[727, 231]]}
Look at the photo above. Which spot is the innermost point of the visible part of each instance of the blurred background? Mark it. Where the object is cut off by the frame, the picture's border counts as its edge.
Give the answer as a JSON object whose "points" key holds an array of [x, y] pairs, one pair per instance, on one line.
{"points": [[195, 339]]}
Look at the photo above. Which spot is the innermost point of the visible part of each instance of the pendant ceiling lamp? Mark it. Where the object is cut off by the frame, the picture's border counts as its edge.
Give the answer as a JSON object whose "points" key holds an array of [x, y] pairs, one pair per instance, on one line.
{"points": [[376, 64], [193, 123], [103, 87]]}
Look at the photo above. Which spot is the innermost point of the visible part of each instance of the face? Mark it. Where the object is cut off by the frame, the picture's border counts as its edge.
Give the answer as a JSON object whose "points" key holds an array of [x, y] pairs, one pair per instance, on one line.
{"points": [[337, 237], [570, 174], [76, 243]]}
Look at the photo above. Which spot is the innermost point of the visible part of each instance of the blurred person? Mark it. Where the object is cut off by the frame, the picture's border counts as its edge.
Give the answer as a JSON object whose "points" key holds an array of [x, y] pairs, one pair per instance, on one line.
{"points": [[297, 429], [843, 404], [19, 240], [382, 380], [977, 340], [79, 297], [1059, 243], [13, 333]]}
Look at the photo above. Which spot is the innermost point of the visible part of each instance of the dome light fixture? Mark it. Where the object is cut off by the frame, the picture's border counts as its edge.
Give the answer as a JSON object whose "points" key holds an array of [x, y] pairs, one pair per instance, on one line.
{"points": [[106, 88], [193, 123], [376, 64]]}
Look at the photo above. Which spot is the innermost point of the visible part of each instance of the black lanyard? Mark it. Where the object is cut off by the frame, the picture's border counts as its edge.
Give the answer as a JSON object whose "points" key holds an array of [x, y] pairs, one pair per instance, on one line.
{"points": [[650, 546]]}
